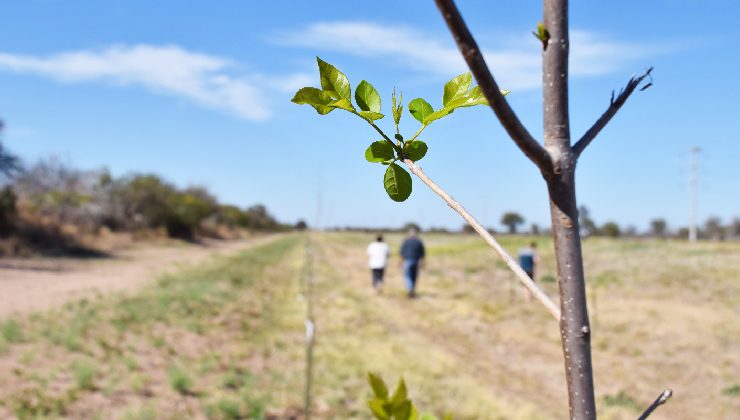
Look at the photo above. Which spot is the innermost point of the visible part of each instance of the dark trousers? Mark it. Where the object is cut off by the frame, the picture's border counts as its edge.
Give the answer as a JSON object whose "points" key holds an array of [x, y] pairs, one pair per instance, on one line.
{"points": [[377, 276]]}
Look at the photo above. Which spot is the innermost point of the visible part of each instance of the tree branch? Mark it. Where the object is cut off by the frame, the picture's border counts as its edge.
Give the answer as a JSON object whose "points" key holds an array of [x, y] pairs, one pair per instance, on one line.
{"points": [[473, 56], [662, 398], [508, 259], [614, 106]]}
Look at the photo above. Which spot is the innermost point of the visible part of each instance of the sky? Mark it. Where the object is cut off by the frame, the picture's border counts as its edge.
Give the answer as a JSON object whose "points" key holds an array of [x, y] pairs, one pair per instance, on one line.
{"points": [[199, 92]]}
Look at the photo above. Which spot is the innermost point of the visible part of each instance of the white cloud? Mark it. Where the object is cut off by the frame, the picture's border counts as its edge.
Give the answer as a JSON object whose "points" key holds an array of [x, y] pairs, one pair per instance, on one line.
{"points": [[169, 70], [516, 64]]}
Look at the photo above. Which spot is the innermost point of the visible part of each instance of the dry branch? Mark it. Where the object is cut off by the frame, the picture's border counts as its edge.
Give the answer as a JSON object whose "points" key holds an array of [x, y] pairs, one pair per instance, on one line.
{"points": [[508, 259], [614, 105], [508, 118]]}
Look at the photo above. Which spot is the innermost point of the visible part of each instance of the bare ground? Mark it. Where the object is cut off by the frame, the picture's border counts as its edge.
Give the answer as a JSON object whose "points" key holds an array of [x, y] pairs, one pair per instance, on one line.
{"points": [[29, 285]]}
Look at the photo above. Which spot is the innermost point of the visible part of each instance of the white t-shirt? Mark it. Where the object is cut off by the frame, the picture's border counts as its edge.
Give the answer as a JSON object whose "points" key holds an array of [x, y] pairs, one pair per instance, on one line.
{"points": [[378, 253]]}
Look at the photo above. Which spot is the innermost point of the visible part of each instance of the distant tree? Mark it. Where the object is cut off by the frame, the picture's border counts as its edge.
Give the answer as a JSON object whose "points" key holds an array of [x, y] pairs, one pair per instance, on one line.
{"points": [[713, 228], [534, 229], [9, 164], [301, 225], [467, 229], [588, 227], [611, 229], [511, 220], [8, 211], [733, 229], [658, 227]]}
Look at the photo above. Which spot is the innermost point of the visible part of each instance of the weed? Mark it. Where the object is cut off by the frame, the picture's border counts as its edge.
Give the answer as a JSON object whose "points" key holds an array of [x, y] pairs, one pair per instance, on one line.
{"points": [[84, 373], [180, 381], [144, 412], [32, 403], [621, 399], [11, 331], [733, 390]]}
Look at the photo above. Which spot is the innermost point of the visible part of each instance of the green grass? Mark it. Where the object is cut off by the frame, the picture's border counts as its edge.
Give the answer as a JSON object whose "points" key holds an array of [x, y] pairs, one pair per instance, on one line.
{"points": [[84, 373], [181, 381]]}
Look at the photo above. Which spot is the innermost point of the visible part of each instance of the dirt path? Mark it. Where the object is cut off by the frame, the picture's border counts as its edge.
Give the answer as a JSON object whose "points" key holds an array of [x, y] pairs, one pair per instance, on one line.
{"points": [[37, 284]]}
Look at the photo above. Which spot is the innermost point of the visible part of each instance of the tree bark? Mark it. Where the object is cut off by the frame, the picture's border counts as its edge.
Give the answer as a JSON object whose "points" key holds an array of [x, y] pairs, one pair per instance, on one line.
{"points": [[575, 330]]}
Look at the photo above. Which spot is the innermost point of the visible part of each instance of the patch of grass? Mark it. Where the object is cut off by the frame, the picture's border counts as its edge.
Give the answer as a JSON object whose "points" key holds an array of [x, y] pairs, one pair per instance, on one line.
{"points": [[84, 373], [234, 379], [623, 400], [733, 390], [34, 403], [180, 381], [11, 331], [226, 408], [144, 412]]}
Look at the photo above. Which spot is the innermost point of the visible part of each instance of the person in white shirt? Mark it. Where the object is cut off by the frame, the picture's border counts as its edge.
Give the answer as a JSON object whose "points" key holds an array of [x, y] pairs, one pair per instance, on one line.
{"points": [[378, 253]]}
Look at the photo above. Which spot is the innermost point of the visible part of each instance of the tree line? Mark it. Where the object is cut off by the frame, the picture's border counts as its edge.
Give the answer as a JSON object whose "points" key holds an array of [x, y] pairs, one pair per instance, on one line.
{"points": [[50, 193]]}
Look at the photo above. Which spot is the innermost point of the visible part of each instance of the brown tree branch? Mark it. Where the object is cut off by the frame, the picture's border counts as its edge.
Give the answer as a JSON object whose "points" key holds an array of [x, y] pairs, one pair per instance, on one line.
{"points": [[483, 232], [662, 398], [508, 118], [614, 106]]}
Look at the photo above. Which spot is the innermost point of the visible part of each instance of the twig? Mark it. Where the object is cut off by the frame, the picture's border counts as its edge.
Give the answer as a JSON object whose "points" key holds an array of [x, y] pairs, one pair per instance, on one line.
{"points": [[662, 398], [508, 259], [614, 105], [508, 118]]}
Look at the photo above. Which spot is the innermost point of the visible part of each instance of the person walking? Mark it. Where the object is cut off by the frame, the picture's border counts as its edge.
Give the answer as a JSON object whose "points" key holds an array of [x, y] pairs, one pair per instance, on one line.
{"points": [[412, 260], [378, 253], [528, 260]]}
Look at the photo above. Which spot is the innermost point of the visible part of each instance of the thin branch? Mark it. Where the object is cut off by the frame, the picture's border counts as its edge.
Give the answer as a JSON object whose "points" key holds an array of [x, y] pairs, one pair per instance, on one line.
{"points": [[508, 118], [662, 398], [508, 259], [614, 105]]}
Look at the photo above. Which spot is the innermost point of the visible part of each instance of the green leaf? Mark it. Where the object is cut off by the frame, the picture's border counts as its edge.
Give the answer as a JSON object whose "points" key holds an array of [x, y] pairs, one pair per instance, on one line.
{"points": [[472, 98], [376, 382], [367, 97], [378, 407], [414, 413], [457, 86], [420, 109], [415, 150], [334, 81], [397, 183], [400, 394], [370, 115], [447, 417], [427, 417], [317, 98], [438, 114], [379, 151], [344, 104], [403, 411]]}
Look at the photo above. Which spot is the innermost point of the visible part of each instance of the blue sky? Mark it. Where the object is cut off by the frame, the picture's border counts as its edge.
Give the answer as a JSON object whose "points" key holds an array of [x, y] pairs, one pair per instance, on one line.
{"points": [[201, 94]]}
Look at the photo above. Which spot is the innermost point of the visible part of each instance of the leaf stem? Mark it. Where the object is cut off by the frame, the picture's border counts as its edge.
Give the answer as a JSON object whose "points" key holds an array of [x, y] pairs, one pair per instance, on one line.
{"points": [[423, 126]]}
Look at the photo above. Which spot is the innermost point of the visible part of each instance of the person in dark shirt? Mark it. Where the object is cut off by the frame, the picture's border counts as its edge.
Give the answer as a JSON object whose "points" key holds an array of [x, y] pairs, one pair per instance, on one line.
{"points": [[412, 260], [528, 260]]}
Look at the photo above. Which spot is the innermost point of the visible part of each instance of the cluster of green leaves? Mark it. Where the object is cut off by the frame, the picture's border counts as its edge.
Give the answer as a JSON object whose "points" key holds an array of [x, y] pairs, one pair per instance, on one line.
{"points": [[336, 93], [394, 407]]}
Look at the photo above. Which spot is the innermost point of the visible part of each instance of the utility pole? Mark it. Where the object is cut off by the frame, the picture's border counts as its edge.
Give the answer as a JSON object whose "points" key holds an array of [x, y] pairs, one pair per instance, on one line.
{"points": [[692, 185]]}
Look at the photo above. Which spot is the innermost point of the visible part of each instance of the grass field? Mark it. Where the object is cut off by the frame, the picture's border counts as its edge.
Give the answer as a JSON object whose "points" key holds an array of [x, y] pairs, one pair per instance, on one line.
{"points": [[227, 340]]}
